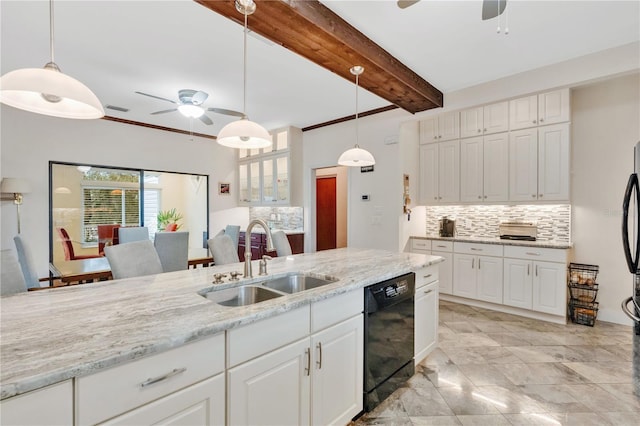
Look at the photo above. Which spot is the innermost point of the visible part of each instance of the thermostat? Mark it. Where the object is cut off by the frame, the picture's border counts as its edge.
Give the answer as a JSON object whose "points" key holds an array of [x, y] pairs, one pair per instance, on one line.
{"points": [[365, 197]]}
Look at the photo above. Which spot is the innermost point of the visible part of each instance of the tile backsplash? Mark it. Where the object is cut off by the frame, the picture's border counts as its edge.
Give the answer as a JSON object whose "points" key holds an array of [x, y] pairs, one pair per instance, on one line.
{"points": [[285, 218], [553, 220]]}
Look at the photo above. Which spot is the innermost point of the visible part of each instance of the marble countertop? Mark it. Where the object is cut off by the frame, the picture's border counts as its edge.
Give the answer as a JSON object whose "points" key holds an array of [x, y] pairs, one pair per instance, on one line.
{"points": [[52, 335], [496, 240]]}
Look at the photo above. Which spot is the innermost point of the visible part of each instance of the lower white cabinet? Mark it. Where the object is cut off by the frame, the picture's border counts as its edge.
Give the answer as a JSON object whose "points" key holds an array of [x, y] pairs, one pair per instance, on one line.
{"points": [[426, 312], [52, 405], [518, 283], [549, 288], [199, 404], [478, 277], [445, 280]]}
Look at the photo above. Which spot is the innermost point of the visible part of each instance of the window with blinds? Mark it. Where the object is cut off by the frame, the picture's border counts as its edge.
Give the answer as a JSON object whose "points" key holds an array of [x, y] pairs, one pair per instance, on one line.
{"points": [[107, 206]]}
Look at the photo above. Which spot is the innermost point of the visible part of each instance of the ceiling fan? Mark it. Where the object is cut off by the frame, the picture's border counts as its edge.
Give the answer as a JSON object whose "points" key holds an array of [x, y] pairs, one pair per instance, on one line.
{"points": [[190, 105], [490, 8]]}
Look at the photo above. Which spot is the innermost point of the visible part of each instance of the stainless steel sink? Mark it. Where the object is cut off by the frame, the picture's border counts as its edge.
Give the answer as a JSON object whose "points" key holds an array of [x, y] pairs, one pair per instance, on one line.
{"points": [[294, 283], [241, 296]]}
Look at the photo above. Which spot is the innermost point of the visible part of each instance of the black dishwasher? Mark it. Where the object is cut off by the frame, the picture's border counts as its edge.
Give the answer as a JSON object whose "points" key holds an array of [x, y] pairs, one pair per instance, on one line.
{"points": [[388, 337]]}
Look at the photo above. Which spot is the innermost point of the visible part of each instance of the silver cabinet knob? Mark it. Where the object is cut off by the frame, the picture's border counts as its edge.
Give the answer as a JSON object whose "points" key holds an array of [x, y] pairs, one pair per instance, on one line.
{"points": [[435, 198], [479, 197], [533, 195], [435, 137], [478, 130], [439, 136], [485, 196], [541, 120], [540, 195], [534, 121], [485, 130]]}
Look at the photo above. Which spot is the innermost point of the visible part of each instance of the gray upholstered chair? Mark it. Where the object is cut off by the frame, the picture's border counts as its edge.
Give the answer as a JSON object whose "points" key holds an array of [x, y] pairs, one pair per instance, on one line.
{"points": [[281, 243], [26, 262], [11, 280], [233, 231], [173, 250], [133, 259], [222, 250], [130, 234]]}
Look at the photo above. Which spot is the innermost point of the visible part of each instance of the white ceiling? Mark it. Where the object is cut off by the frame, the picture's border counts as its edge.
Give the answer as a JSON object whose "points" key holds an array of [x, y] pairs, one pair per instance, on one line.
{"points": [[159, 47]]}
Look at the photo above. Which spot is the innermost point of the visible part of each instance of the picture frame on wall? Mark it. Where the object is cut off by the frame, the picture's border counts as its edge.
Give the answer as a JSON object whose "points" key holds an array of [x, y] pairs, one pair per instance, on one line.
{"points": [[224, 188]]}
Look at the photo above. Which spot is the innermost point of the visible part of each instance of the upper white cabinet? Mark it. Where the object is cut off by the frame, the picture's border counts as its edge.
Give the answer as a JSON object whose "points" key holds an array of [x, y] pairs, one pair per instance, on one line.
{"points": [[440, 172], [484, 120], [545, 108], [52, 405], [539, 164], [440, 128], [268, 176], [484, 168]]}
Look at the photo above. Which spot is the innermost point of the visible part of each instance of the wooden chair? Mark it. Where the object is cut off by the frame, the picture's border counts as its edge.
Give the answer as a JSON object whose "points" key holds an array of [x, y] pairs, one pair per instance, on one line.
{"points": [[106, 236]]}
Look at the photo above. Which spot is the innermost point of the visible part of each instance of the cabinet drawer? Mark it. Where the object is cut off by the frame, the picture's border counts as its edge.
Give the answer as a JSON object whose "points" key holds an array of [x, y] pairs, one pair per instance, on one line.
{"points": [[252, 340], [427, 275], [478, 249], [438, 245], [52, 405], [335, 309], [420, 244], [108, 393], [535, 253]]}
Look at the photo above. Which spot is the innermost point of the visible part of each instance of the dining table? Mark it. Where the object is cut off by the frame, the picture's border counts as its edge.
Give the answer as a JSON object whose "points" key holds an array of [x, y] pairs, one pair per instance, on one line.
{"points": [[98, 268]]}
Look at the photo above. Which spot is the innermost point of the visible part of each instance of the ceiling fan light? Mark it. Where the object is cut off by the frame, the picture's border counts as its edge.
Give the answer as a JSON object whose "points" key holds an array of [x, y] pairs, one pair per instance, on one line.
{"points": [[356, 157], [244, 134], [48, 91], [193, 111]]}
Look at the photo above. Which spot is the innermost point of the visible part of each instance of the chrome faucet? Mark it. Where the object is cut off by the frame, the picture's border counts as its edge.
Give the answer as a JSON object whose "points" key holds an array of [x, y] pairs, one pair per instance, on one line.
{"points": [[248, 273]]}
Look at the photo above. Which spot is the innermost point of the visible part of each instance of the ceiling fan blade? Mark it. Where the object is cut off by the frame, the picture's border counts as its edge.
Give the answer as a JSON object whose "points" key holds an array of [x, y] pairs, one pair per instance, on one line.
{"points": [[403, 4], [492, 8], [157, 97], [164, 111], [226, 112], [199, 97], [206, 120]]}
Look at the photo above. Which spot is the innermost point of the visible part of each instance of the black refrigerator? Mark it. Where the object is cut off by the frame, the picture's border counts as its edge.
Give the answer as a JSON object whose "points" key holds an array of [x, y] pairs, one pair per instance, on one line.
{"points": [[631, 243]]}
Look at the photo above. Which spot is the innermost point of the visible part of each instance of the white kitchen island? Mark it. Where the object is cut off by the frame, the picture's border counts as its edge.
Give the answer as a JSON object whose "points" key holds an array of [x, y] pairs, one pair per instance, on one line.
{"points": [[93, 338]]}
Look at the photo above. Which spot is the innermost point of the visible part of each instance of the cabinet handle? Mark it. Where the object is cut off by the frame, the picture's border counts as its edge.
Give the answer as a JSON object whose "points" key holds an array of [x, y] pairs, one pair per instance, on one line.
{"points": [[158, 379], [533, 195], [478, 263], [435, 137], [531, 253], [534, 121], [428, 291], [428, 276], [319, 361], [435, 198], [479, 130], [439, 136], [441, 246], [476, 249], [485, 130], [541, 120], [536, 270], [473, 262], [479, 197], [528, 269], [485, 196], [307, 367]]}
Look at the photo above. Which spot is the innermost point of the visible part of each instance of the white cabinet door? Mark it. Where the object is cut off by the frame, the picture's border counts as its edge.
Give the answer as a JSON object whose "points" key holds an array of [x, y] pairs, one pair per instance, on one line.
{"points": [[426, 321], [429, 174], [553, 107], [523, 112], [496, 118], [553, 162], [464, 275], [449, 126], [518, 283], [471, 122], [523, 165], [52, 405], [429, 130], [489, 279], [471, 169], [446, 272], [549, 288], [272, 389], [199, 404], [337, 379], [449, 171], [496, 167]]}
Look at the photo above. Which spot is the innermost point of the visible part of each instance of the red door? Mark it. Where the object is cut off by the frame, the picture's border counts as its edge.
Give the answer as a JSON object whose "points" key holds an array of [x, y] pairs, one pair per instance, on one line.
{"points": [[325, 213]]}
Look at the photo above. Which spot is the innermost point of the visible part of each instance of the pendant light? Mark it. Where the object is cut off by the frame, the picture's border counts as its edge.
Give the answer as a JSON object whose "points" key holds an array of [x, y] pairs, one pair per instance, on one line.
{"points": [[244, 133], [48, 91], [356, 157]]}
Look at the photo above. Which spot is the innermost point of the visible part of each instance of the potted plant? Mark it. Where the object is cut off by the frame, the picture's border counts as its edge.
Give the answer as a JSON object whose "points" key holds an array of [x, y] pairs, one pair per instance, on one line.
{"points": [[168, 220]]}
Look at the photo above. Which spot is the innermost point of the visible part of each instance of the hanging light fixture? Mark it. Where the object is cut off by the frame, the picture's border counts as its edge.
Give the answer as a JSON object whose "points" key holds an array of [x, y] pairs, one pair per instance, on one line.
{"points": [[244, 133], [356, 157], [48, 91]]}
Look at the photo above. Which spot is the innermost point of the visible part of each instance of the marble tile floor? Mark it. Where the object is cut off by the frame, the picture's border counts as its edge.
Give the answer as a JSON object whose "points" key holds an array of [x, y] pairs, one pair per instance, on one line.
{"points": [[493, 369]]}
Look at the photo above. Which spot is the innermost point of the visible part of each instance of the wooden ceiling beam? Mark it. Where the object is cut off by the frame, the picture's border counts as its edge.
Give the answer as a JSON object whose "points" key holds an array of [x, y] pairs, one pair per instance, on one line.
{"points": [[312, 30]]}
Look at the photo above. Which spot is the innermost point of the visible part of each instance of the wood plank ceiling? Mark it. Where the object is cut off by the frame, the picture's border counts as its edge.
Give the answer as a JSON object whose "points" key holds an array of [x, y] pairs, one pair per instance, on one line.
{"points": [[313, 31]]}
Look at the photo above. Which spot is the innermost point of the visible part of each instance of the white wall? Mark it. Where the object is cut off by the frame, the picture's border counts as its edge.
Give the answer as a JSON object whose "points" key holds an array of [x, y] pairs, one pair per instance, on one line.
{"points": [[29, 141], [606, 127]]}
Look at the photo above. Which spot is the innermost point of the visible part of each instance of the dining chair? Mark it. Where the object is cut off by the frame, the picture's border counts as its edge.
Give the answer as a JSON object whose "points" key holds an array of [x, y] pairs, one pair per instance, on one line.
{"points": [[133, 259], [281, 243], [25, 258], [173, 250], [11, 278], [233, 231], [222, 250], [105, 236], [67, 246], [129, 234]]}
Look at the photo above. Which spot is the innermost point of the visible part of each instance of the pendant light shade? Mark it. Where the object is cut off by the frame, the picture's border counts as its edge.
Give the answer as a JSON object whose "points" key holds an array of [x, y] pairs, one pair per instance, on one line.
{"points": [[356, 156], [48, 91], [243, 133]]}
